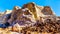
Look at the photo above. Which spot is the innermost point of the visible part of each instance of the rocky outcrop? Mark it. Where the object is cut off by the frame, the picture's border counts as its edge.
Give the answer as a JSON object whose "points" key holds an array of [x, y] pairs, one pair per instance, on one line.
{"points": [[32, 8], [31, 18], [47, 11]]}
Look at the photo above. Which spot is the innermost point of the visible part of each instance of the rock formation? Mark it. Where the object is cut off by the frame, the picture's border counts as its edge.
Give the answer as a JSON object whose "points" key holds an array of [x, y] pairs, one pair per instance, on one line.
{"points": [[31, 7], [29, 19]]}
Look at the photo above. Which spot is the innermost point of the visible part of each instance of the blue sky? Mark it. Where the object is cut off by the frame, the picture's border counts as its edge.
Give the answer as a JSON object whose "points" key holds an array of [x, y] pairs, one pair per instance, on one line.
{"points": [[9, 4]]}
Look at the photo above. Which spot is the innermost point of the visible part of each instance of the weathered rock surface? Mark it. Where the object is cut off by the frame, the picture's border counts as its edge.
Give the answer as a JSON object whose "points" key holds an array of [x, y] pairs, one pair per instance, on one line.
{"points": [[30, 19]]}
